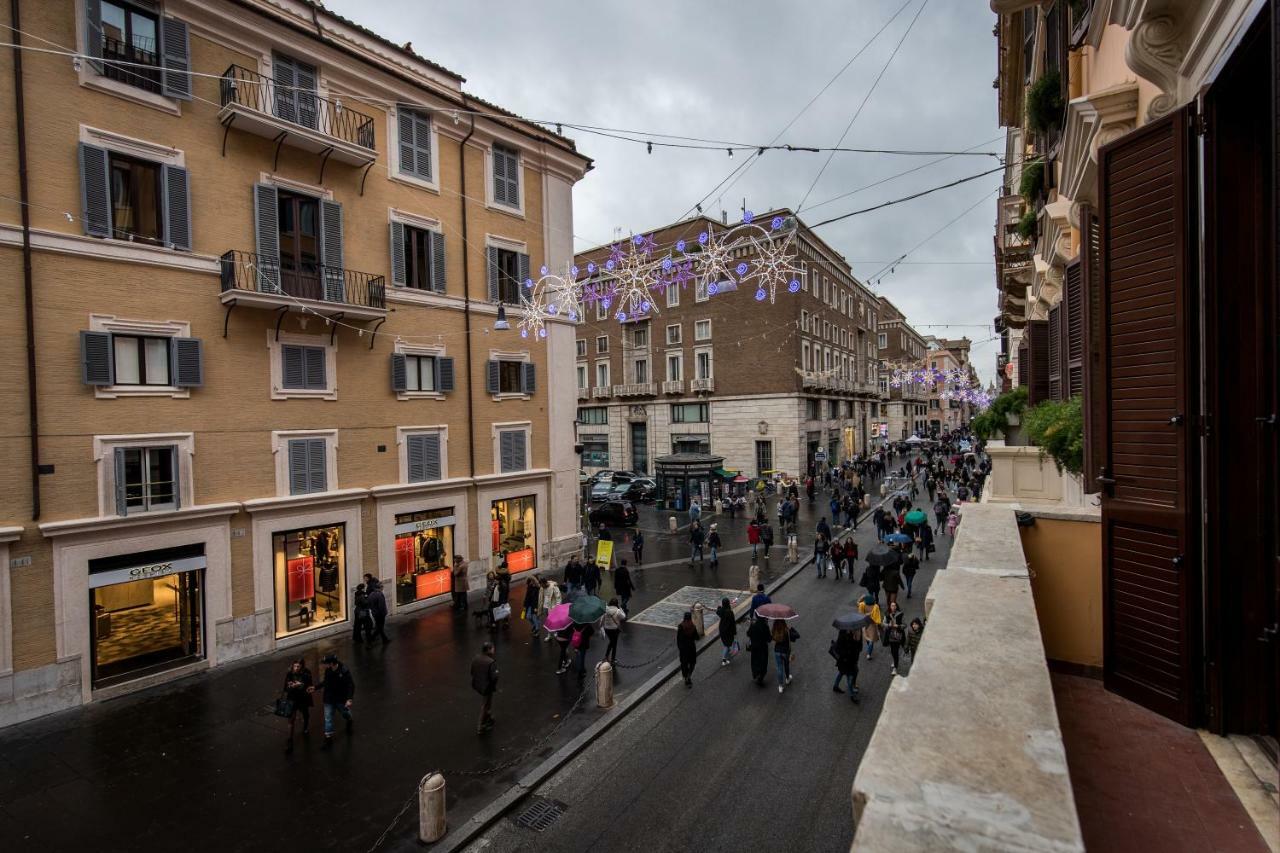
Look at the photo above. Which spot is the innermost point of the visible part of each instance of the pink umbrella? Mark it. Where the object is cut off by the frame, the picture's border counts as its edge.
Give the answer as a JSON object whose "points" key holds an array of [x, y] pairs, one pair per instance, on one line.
{"points": [[777, 611], [558, 618]]}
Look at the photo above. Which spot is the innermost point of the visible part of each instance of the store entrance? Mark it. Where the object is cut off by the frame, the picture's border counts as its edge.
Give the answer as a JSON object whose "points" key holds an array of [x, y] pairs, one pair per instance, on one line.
{"points": [[144, 626]]}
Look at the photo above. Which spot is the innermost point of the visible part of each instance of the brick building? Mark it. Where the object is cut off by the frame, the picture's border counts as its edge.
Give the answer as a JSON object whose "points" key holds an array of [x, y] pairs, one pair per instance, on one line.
{"points": [[904, 409], [260, 358], [762, 385]]}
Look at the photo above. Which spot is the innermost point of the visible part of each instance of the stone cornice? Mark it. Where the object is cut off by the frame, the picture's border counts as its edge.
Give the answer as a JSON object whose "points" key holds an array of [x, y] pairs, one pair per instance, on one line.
{"points": [[1092, 121]]}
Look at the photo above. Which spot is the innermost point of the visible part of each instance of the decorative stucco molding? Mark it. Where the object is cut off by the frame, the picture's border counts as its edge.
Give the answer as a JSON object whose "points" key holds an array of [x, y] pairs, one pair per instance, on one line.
{"points": [[1092, 121]]}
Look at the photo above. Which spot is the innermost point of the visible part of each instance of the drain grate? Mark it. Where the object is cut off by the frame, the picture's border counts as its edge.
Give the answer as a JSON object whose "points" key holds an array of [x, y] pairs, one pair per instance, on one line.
{"points": [[540, 815]]}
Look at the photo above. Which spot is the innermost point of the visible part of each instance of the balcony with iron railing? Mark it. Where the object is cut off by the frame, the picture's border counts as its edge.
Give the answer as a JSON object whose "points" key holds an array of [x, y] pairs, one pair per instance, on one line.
{"points": [[135, 62], [291, 116], [254, 280], [1011, 209]]}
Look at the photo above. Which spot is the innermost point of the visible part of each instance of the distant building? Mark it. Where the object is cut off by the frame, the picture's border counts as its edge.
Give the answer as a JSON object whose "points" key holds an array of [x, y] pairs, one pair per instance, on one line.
{"points": [[904, 409]]}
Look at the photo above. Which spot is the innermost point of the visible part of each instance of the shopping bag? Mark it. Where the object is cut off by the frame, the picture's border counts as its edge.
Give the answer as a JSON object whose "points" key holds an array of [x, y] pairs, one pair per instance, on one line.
{"points": [[284, 707], [502, 611], [734, 649]]}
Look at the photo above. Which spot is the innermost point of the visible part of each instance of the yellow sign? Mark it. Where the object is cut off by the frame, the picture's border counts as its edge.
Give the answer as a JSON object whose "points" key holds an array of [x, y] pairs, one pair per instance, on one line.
{"points": [[604, 553]]}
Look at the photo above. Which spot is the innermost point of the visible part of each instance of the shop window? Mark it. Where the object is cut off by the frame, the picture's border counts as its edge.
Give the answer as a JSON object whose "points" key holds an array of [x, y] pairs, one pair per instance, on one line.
{"points": [[689, 413], [512, 533], [595, 451], [424, 554], [146, 479], [594, 415], [310, 578], [513, 451]]}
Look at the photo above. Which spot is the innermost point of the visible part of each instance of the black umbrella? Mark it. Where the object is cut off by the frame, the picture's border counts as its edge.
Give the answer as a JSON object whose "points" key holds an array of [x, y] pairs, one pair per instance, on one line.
{"points": [[851, 621], [882, 558]]}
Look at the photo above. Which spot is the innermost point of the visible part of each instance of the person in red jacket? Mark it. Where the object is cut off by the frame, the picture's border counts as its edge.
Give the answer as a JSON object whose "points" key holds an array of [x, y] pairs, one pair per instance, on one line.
{"points": [[753, 537]]}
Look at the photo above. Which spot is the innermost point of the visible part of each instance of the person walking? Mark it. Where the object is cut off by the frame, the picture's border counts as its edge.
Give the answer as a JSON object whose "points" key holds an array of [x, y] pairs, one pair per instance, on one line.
{"points": [[563, 637], [612, 621], [924, 540], [713, 542], [378, 610], [623, 585], [782, 638], [728, 630], [491, 594], [580, 640], [337, 693], [820, 548], [297, 689], [532, 596], [894, 634], [851, 558], [591, 577], [953, 521], [760, 599], [891, 581], [484, 680], [696, 540], [766, 538], [758, 637], [939, 514], [870, 631], [844, 648], [910, 566], [753, 538], [461, 583], [637, 547], [695, 510], [573, 573], [548, 597], [871, 580], [687, 646], [362, 624]]}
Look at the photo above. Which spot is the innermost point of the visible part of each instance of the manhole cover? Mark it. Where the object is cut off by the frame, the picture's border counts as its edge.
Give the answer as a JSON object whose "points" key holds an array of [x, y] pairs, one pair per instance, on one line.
{"points": [[540, 815]]}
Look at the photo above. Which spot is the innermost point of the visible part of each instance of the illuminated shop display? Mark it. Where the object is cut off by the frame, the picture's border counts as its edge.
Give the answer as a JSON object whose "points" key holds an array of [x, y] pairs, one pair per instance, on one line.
{"points": [[310, 578], [424, 552]]}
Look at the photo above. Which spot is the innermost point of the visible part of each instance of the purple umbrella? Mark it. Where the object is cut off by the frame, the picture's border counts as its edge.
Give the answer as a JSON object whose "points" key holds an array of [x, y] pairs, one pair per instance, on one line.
{"points": [[777, 611], [558, 618]]}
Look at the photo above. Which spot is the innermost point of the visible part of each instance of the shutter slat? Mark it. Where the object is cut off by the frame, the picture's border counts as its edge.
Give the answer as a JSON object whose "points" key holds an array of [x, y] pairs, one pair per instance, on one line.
{"points": [[95, 358], [317, 465], [188, 362], [405, 131], [177, 479], [1091, 333], [444, 374], [506, 457], [415, 456], [399, 272], [95, 191], [1054, 346], [298, 466], [399, 372], [315, 368], [176, 55], [491, 272], [529, 376], [266, 215], [432, 468], [122, 503], [284, 83], [494, 377], [177, 207], [437, 262], [522, 270], [331, 250]]}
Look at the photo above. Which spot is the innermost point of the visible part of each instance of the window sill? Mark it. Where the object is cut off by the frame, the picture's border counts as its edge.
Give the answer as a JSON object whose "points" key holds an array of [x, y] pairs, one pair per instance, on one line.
{"points": [[416, 182], [516, 212], [115, 391], [420, 395], [420, 296], [91, 79], [510, 395], [301, 394]]}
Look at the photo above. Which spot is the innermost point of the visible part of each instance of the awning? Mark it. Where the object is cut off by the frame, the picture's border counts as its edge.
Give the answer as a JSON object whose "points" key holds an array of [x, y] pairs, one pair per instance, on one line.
{"points": [[723, 474]]}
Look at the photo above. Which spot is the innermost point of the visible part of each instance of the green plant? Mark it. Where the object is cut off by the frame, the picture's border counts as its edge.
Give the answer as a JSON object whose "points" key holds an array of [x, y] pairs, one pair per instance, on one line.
{"points": [[995, 417], [1031, 187], [1044, 102], [1058, 428], [1027, 225]]}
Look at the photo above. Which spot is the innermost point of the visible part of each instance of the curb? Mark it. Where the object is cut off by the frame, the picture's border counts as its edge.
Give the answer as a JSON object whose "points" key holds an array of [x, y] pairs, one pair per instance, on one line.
{"points": [[487, 816]]}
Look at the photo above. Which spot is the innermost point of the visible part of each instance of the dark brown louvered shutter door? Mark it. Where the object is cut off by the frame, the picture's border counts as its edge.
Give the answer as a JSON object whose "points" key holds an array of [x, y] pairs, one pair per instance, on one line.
{"points": [[1095, 446], [1149, 555], [1054, 344], [1073, 330], [1038, 363], [1024, 362]]}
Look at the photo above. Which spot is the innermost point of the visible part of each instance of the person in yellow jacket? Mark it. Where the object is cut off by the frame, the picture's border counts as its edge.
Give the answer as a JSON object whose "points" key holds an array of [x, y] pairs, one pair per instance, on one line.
{"points": [[871, 631]]}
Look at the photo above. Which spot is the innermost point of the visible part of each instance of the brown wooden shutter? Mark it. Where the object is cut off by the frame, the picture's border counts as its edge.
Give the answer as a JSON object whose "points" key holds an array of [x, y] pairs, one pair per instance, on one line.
{"points": [[1149, 554], [1095, 448], [1054, 346], [1037, 336], [1024, 362], [1073, 330]]}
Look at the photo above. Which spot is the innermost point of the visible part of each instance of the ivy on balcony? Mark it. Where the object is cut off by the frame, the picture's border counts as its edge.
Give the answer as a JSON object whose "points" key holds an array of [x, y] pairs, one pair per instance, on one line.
{"points": [[1044, 102], [995, 417], [1031, 187], [1027, 225], [1058, 428]]}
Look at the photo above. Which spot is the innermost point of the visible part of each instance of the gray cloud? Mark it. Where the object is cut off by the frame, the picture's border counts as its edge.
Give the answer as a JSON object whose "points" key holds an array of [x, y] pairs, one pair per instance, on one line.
{"points": [[741, 71]]}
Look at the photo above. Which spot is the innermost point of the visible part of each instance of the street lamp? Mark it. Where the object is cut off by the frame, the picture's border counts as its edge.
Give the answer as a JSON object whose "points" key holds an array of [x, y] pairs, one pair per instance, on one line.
{"points": [[501, 324]]}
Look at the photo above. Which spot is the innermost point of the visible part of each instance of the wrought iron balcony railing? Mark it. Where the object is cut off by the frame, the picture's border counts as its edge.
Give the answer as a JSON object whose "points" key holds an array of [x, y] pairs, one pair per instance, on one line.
{"points": [[249, 273]]}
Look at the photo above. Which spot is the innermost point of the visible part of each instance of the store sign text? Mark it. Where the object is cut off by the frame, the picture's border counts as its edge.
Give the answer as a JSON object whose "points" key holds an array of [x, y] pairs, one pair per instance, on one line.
{"points": [[426, 524]]}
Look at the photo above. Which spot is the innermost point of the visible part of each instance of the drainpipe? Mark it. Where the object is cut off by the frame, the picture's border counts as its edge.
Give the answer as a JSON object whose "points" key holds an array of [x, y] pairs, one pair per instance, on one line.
{"points": [[20, 125], [466, 292]]}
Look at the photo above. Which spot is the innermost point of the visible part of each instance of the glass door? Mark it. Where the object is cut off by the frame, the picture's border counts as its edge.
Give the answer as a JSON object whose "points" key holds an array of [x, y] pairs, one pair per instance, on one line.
{"points": [[640, 448], [299, 222]]}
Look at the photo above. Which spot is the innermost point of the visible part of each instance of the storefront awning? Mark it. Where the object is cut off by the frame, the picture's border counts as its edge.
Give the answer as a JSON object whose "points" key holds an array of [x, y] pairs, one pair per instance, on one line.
{"points": [[723, 474]]}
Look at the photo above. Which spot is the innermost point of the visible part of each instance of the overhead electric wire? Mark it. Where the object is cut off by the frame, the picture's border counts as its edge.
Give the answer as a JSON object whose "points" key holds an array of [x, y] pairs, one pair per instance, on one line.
{"points": [[949, 223]]}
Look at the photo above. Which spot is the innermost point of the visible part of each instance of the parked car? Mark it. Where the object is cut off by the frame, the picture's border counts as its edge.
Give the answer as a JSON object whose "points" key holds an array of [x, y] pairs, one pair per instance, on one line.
{"points": [[642, 489], [614, 513], [601, 491]]}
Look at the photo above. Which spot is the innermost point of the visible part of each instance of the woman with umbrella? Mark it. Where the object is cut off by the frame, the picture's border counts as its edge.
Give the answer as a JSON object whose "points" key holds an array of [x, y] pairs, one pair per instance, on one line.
{"points": [[758, 643], [584, 612], [560, 626], [687, 647], [783, 636], [845, 650], [871, 630]]}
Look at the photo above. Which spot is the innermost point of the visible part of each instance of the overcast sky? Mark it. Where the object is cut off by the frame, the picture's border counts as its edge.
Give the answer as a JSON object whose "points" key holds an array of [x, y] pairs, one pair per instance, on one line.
{"points": [[741, 71]]}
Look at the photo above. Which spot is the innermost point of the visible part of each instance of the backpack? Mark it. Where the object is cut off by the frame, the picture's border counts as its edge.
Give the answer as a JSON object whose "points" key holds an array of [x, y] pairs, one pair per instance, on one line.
{"points": [[576, 640]]}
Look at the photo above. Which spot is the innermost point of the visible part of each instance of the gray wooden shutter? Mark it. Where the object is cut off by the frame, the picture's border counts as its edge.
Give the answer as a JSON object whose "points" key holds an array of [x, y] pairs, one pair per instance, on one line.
{"points": [[187, 356], [95, 358], [175, 53], [499, 176], [286, 93], [314, 366], [93, 33], [415, 143], [437, 262], [266, 214], [494, 377], [444, 374], [522, 269], [298, 467], [519, 450], [415, 451], [305, 96], [293, 370], [122, 504], [528, 378], [404, 121], [506, 459], [177, 207], [317, 467], [491, 272], [331, 250], [398, 267], [399, 372], [431, 467], [95, 191], [177, 479]]}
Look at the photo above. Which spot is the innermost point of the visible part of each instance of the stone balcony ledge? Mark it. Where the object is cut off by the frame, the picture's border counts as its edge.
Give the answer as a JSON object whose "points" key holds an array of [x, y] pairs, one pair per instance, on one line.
{"points": [[968, 752]]}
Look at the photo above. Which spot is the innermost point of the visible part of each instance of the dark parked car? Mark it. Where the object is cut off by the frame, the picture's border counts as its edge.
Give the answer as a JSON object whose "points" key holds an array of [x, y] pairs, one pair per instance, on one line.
{"points": [[614, 514], [601, 491], [641, 489]]}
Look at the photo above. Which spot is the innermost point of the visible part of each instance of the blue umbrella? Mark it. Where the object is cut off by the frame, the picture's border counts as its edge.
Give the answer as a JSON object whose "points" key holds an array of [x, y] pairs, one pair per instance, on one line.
{"points": [[897, 538]]}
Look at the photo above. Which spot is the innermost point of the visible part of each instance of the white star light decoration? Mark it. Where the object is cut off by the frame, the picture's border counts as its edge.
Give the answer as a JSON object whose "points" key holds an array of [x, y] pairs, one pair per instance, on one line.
{"points": [[627, 285]]}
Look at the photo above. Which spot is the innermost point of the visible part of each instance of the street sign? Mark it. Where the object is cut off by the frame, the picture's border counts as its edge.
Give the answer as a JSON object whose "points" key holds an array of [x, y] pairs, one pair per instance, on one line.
{"points": [[820, 455]]}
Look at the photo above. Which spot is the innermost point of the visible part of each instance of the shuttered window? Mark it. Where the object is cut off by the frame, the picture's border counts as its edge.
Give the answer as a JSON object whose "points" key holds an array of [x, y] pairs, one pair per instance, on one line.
{"points": [[512, 450], [415, 143], [303, 368], [128, 42], [1054, 346], [1094, 367], [308, 466], [133, 199], [422, 457], [507, 271], [146, 479], [417, 258], [294, 90], [511, 377], [506, 176], [141, 360], [1073, 330], [1037, 338]]}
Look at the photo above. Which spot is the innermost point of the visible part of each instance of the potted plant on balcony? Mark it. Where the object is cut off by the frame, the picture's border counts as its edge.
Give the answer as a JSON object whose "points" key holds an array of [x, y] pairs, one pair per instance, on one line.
{"points": [[1057, 427], [1044, 102], [1031, 186], [1001, 416], [1028, 224]]}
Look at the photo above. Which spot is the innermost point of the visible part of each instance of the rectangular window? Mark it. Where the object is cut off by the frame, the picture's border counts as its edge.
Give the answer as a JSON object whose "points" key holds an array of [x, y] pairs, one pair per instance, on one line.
{"points": [[136, 200], [764, 458], [141, 360], [310, 578], [507, 263], [602, 344], [602, 374], [833, 409], [308, 466], [640, 370], [702, 330], [511, 377], [420, 372], [295, 87], [582, 376], [675, 368], [811, 409], [303, 368], [418, 261], [595, 451], [689, 413], [148, 479], [130, 44], [640, 338], [700, 291], [602, 312], [512, 450], [423, 457], [882, 340], [673, 296], [506, 176], [594, 415], [582, 348], [702, 365], [673, 334]]}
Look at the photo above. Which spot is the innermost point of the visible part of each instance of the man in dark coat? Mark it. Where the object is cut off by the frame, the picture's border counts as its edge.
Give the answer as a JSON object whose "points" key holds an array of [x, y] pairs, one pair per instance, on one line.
{"points": [[378, 610], [591, 577], [484, 680], [758, 640], [687, 646], [337, 691]]}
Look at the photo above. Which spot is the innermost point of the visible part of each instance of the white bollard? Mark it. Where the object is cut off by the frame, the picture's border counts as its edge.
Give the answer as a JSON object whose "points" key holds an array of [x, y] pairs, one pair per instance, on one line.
{"points": [[699, 619], [753, 579], [719, 506], [884, 490], [672, 524], [604, 684], [431, 816], [793, 549]]}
